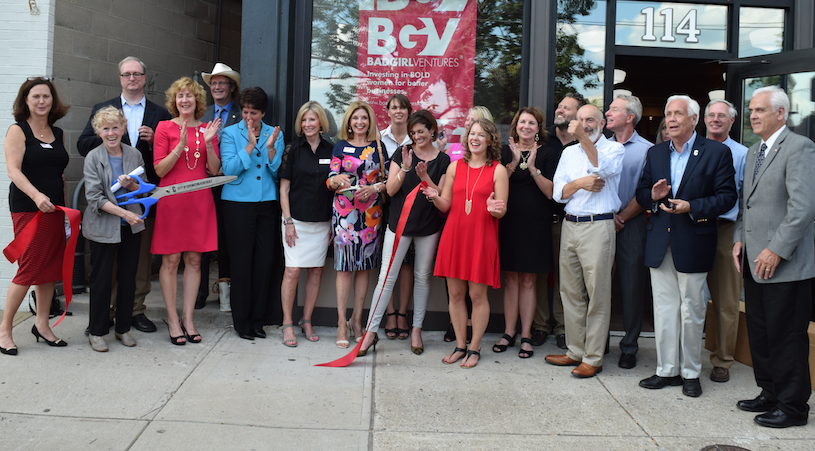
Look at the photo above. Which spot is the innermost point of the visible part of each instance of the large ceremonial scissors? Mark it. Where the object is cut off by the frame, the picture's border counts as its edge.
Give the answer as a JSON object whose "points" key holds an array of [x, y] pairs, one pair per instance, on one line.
{"points": [[156, 193]]}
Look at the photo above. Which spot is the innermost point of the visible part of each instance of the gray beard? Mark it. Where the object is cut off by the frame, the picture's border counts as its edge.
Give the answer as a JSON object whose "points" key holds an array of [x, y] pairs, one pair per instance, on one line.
{"points": [[593, 137]]}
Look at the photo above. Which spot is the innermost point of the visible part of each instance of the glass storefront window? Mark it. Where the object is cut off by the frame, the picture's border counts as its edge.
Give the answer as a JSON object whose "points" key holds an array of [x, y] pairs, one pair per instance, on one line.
{"points": [[761, 31], [672, 25], [339, 77], [581, 43]]}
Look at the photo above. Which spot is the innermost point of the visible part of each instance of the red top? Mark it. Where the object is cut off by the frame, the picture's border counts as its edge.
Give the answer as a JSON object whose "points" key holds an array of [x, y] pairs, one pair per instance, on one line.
{"points": [[468, 248], [184, 222]]}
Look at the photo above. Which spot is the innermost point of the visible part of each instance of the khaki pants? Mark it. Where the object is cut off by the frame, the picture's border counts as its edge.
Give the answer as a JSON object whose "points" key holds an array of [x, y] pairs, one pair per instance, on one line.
{"points": [[725, 285], [586, 257], [542, 314]]}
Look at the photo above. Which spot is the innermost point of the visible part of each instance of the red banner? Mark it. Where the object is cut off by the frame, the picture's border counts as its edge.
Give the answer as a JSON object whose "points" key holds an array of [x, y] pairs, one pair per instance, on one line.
{"points": [[423, 49]]}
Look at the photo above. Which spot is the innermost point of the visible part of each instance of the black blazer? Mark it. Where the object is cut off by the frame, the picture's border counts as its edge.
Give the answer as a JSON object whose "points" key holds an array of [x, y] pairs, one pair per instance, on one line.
{"points": [[153, 114], [708, 184]]}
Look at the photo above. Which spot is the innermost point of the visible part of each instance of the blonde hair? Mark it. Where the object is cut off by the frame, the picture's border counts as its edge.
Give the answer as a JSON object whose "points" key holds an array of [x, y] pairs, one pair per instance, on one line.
{"points": [[346, 121], [190, 85], [481, 112], [317, 109], [108, 115], [494, 149]]}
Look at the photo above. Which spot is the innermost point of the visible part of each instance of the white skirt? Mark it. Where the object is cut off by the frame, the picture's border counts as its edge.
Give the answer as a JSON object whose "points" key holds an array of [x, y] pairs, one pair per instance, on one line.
{"points": [[311, 246]]}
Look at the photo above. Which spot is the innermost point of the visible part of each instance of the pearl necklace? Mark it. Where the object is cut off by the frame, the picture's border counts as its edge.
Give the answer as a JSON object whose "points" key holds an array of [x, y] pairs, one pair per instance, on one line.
{"points": [[197, 154]]}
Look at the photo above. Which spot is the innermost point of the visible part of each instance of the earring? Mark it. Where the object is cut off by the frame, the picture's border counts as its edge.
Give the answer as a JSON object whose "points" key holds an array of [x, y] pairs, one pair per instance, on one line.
{"points": [[350, 130], [321, 131], [537, 138], [433, 136]]}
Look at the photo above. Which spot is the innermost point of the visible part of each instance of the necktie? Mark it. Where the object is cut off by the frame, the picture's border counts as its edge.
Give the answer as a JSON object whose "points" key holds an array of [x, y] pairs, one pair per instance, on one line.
{"points": [[219, 114], [759, 160]]}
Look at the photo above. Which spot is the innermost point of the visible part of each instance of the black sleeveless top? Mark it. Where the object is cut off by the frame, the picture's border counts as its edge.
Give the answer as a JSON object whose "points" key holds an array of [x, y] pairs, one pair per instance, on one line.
{"points": [[43, 165]]}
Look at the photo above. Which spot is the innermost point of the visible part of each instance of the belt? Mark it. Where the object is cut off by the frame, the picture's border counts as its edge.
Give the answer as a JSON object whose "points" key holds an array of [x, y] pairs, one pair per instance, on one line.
{"points": [[590, 218], [556, 218]]}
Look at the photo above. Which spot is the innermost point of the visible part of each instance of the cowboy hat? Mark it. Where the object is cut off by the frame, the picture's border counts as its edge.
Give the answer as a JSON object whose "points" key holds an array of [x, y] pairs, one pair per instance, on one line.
{"points": [[225, 71]]}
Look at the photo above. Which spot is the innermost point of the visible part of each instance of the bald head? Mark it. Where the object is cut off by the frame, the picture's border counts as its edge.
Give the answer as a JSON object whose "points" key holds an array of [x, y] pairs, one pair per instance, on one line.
{"points": [[591, 120]]}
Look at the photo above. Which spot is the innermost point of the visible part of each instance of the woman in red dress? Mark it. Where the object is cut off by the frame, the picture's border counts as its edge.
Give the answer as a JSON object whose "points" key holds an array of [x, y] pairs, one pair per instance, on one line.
{"points": [[185, 149], [35, 159], [475, 194]]}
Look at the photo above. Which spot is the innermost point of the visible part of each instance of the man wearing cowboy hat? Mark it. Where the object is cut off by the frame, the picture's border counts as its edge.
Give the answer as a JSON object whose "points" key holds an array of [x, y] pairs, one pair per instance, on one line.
{"points": [[224, 85]]}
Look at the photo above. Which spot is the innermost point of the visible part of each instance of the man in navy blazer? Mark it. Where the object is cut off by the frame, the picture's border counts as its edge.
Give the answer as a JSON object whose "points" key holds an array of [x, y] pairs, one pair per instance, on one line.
{"points": [[687, 183], [143, 116]]}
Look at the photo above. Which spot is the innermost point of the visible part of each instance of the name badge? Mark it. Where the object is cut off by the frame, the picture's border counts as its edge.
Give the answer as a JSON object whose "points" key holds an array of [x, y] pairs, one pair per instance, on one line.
{"points": [[349, 149], [325, 161], [456, 152], [202, 129], [46, 146]]}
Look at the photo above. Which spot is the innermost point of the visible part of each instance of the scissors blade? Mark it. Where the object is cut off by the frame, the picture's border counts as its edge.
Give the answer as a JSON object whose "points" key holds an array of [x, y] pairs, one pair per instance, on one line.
{"points": [[192, 185]]}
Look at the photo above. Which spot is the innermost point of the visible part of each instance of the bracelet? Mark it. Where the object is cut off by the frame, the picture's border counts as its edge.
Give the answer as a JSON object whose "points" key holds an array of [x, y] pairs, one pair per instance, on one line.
{"points": [[537, 173], [404, 168], [176, 153], [399, 176], [376, 187], [288, 221]]}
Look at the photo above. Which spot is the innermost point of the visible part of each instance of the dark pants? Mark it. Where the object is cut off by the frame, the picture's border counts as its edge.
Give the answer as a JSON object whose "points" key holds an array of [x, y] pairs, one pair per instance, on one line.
{"points": [[251, 252], [103, 256], [634, 280], [223, 256], [777, 320]]}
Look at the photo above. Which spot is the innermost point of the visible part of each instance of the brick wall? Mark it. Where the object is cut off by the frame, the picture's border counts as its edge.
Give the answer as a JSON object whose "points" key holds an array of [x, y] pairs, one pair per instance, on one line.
{"points": [[80, 42]]}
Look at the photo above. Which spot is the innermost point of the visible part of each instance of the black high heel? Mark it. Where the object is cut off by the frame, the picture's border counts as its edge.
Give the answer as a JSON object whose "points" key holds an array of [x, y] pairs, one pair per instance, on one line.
{"points": [[502, 348], [363, 352], [57, 343], [8, 351], [523, 353], [450, 335], [177, 340], [390, 334], [191, 338]]}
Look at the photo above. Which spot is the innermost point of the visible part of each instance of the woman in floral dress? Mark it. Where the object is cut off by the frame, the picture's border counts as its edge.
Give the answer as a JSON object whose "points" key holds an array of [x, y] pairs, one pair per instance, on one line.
{"points": [[357, 176]]}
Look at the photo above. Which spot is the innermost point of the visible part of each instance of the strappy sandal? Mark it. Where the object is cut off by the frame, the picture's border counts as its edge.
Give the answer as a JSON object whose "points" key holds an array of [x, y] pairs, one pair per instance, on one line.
{"points": [[464, 351], [523, 353], [402, 334], [390, 334], [194, 338], [502, 348], [469, 354], [312, 337], [292, 342]]}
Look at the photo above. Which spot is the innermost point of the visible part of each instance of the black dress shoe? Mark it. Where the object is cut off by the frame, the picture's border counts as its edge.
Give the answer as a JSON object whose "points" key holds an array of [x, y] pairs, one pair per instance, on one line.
{"points": [[561, 341], [627, 361], [759, 404], [655, 382], [259, 333], [776, 418], [692, 388], [249, 336], [200, 302], [539, 337], [140, 322]]}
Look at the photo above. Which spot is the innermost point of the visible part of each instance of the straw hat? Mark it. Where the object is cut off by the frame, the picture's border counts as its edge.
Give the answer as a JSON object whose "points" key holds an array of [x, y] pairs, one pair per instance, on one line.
{"points": [[225, 71]]}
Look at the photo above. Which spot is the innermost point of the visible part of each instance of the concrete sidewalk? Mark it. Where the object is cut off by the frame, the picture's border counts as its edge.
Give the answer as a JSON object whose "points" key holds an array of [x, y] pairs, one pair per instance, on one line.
{"points": [[228, 393]]}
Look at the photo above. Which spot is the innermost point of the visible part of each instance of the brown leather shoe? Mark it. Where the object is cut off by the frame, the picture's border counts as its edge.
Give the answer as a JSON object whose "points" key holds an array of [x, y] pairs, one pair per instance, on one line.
{"points": [[720, 374], [586, 370], [561, 360]]}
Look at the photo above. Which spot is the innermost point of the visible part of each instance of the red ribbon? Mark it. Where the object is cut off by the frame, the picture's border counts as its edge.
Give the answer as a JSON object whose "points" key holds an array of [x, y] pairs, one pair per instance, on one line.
{"points": [[400, 227], [21, 242]]}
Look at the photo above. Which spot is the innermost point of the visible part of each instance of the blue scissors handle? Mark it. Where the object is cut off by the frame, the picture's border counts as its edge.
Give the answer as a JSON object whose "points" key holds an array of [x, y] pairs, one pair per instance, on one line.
{"points": [[146, 202]]}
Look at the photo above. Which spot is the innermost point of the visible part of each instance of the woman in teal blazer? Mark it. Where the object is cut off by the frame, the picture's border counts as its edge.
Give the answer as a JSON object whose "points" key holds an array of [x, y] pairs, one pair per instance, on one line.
{"points": [[252, 151]]}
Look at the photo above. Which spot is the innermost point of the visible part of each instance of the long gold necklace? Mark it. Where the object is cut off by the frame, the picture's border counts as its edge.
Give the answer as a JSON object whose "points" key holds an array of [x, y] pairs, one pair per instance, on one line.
{"points": [[197, 154], [523, 164], [468, 202]]}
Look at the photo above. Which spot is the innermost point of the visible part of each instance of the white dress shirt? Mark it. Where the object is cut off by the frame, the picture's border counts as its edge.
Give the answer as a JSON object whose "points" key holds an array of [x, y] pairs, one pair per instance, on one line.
{"points": [[390, 141], [574, 164]]}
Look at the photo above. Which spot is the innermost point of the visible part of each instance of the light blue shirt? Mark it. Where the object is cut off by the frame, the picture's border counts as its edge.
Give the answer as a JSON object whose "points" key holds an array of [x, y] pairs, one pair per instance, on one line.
{"points": [[636, 149], [739, 153], [135, 117], [679, 161], [224, 113]]}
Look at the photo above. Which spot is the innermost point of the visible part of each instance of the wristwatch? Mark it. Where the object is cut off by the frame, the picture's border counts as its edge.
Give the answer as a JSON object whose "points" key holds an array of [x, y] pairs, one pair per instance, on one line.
{"points": [[537, 173], [287, 221]]}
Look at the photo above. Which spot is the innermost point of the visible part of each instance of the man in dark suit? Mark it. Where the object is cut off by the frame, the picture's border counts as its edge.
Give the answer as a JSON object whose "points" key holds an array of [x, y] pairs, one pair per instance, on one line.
{"points": [[774, 248], [224, 85], [142, 118], [687, 183]]}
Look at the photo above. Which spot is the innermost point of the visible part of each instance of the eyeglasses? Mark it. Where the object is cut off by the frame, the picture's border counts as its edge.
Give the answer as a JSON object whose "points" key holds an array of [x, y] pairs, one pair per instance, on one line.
{"points": [[134, 75], [220, 83], [720, 116], [39, 78]]}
